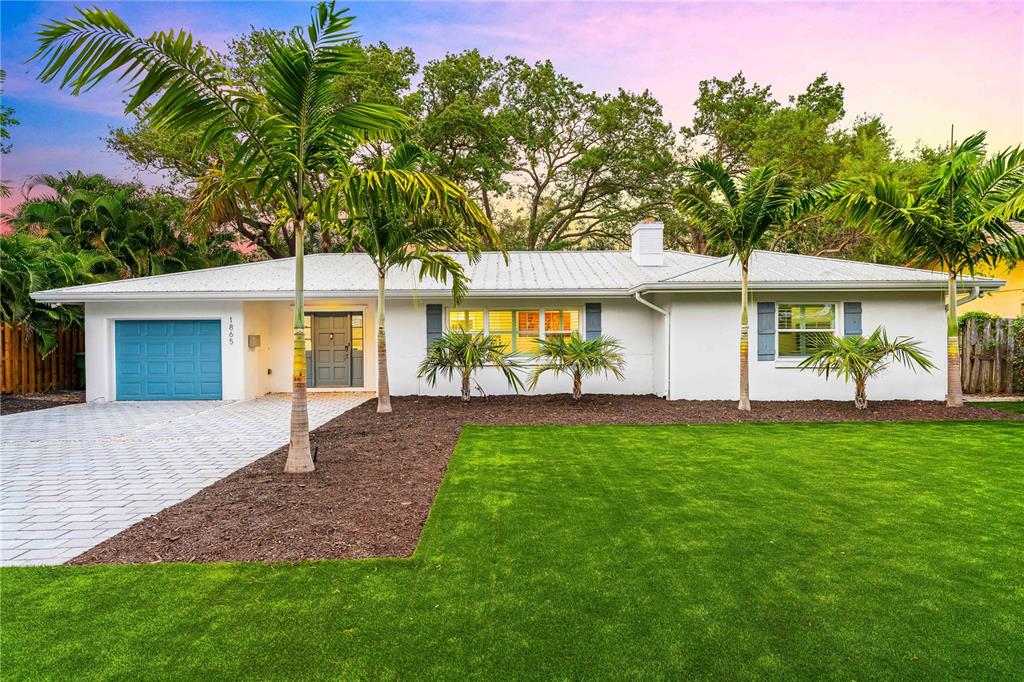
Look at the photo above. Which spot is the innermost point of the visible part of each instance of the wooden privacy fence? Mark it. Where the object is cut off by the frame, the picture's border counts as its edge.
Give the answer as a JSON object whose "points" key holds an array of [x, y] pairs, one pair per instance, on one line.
{"points": [[987, 349], [26, 371]]}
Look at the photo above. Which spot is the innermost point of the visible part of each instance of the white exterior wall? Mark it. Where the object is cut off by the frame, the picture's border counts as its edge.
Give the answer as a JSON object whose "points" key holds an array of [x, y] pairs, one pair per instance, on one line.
{"points": [[705, 347], [99, 340], [622, 318], [704, 340]]}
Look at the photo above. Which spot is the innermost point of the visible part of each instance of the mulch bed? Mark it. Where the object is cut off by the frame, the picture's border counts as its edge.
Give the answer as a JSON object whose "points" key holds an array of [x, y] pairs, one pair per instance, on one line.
{"points": [[12, 404], [377, 475]]}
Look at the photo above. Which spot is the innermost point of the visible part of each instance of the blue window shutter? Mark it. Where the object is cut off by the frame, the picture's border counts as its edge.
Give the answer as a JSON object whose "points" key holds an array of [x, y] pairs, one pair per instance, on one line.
{"points": [[593, 320], [851, 319], [765, 330], [435, 322]]}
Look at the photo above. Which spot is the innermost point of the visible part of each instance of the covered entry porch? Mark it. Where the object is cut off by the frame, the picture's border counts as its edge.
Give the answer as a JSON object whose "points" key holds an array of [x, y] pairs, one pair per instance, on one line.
{"points": [[335, 349], [340, 345]]}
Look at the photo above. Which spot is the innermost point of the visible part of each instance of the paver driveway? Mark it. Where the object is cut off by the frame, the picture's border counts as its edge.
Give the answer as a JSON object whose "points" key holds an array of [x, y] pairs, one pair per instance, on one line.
{"points": [[71, 477]]}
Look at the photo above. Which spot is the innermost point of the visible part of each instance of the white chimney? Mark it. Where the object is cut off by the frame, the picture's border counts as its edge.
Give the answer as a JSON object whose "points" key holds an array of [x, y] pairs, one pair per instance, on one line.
{"points": [[649, 243]]}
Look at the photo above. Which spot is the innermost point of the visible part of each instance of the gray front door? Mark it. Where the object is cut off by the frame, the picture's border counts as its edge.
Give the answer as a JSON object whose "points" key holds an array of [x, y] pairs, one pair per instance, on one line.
{"points": [[332, 349]]}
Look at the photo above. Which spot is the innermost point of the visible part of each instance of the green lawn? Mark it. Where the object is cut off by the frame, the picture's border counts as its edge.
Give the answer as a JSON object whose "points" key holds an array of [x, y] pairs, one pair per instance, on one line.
{"points": [[1015, 406], [842, 551]]}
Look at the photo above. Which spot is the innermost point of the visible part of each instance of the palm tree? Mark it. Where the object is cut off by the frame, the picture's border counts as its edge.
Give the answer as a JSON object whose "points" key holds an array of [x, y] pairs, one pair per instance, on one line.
{"points": [[861, 357], [463, 352], [137, 229], [739, 216], [959, 219], [33, 263], [399, 214], [288, 131], [578, 358]]}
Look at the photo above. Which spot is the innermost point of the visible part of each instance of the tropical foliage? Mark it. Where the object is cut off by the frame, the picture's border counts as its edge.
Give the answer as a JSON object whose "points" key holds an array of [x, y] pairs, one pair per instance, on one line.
{"points": [[283, 126], [554, 165], [579, 358], [958, 220], [462, 352], [401, 215], [738, 215], [32, 263], [7, 121], [138, 231], [859, 358]]}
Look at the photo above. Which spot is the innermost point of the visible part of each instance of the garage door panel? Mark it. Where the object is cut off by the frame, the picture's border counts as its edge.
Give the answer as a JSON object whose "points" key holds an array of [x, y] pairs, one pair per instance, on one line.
{"points": [[168, 359], [157, 368], [155, 328]]}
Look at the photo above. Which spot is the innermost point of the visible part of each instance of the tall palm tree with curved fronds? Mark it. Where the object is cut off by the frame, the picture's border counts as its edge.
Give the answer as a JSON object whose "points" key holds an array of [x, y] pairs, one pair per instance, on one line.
{"points": [[957, 220], [400, 215], [287, 128], [739, 214], [861, 357]]}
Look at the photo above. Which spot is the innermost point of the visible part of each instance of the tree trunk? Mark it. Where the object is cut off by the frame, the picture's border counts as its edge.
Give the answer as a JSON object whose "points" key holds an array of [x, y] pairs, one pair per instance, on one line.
{"points": [[954, 388], [465, 388], [300, 459], [383, 390], [860, 398], [577, 386], [744, 345]]}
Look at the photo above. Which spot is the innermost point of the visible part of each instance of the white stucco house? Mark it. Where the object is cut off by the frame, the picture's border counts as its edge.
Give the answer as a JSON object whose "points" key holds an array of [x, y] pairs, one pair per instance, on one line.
{"points": [[225, 333]]}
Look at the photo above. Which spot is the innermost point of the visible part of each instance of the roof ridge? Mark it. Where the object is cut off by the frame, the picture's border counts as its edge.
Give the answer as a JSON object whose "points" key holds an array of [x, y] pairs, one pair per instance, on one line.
{"points": [[716, 261]]}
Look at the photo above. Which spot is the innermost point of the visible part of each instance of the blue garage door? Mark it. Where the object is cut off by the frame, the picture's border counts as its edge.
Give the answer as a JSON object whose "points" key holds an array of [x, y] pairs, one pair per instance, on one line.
{"points": [[168, 359]]}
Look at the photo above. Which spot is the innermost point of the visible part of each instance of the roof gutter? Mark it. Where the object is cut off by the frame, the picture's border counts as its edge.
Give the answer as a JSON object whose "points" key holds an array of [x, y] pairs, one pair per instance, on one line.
{"points": [[668, 341], [984, 285], [71, 297], [975, 293]]}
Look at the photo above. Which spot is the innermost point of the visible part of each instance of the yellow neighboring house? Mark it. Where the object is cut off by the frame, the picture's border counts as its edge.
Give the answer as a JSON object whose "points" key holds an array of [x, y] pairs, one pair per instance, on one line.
{"points": [[1008, 301]]}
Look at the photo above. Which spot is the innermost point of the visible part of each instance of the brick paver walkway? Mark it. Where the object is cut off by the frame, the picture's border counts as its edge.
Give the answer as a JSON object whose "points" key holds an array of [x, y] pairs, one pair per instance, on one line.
{"points": [[71, 477]]}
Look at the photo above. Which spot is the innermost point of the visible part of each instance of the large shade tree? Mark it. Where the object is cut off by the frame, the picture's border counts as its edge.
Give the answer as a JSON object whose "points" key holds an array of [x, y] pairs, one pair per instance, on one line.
{"points": [[739, 214], [401, 215], [958, 220], [286, 126]]}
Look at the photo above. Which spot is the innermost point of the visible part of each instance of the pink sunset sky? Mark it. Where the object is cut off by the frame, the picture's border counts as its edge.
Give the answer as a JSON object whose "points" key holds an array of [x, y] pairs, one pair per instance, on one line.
{"points": [[923, 66]]}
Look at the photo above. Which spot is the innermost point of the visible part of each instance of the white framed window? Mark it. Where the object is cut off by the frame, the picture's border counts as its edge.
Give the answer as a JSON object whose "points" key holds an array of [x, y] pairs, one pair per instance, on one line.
{"points": [[561, 322], [799, 325], [466, 320], [520, 329]]}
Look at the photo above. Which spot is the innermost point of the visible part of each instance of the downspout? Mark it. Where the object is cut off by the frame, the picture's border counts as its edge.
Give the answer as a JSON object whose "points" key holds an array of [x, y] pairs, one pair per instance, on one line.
{"points": [[975, 293], [668, 342]]}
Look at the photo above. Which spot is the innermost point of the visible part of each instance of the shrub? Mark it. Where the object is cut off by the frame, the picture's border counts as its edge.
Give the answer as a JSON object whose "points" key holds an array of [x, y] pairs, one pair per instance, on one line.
{"points": [[978, 316], [461, 352], [578, 358], [861, 357]]}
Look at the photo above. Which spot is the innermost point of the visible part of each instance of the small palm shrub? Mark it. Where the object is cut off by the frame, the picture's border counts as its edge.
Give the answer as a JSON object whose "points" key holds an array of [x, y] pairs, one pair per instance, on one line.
{"points": [[578, 358], [858, 358], [461, 352]]}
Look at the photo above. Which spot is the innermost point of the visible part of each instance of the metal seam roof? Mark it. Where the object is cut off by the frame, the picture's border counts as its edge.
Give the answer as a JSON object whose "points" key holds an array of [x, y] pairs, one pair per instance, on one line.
{"points": [[527, 273]]}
